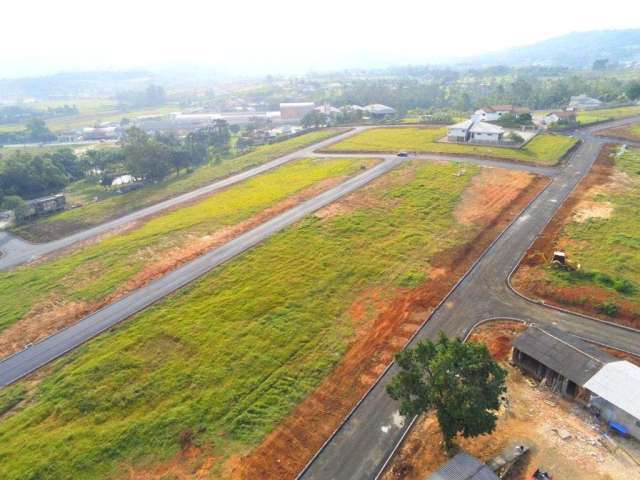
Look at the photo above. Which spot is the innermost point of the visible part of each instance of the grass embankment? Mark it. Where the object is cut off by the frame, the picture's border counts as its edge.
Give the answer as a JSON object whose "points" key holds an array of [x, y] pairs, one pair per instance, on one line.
{"points": [[587, 117], [626, 132], [220, 363], [544, 149], [64, 223], [602, 235], [95, 272]]}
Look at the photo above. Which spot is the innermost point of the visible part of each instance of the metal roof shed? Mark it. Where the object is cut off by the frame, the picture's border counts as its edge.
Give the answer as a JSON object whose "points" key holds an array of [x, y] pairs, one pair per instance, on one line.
{"points": [[619, 384], [562, 352], [463, 467]]}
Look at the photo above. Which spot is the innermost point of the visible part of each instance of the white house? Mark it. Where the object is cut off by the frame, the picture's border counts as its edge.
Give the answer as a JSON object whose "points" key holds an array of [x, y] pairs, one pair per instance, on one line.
{"points": [[583, 102], [555, 117], [379, 110], [472, 130], [495, 112]]}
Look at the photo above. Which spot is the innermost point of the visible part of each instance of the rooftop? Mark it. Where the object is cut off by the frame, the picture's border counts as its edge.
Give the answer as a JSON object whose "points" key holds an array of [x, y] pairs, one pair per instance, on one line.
{"points": [[484, 127], [463, 467], [562, 352], [619, 384]]}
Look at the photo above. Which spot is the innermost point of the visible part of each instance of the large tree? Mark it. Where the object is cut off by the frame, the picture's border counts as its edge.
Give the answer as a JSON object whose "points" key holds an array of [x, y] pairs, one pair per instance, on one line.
{"points": [[633, 90], [458, 381]]}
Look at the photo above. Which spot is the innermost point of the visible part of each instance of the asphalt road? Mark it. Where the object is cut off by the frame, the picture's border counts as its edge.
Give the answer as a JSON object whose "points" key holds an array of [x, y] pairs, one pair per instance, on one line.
{"points": [[16, 251], [367, 439], [39, 354]]}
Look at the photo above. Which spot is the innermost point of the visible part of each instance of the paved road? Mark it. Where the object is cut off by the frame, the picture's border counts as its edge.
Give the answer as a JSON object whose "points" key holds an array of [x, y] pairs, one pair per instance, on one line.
{"points": [[16, 251], [39, 354], [369, 435]]}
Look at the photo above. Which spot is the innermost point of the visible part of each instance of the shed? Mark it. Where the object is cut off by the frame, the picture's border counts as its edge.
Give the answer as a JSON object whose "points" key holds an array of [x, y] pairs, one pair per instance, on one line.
{"points": [[564, 360], [615, 394], [463, 467]]}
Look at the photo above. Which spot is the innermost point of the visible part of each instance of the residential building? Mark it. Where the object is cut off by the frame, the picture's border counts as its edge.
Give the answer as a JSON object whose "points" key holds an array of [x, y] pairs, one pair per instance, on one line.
{"points": [[579, 370], [583, 102], [377, 110], [565, 117], [475, 131], [495, 112], [295, 111], [463, 467]]}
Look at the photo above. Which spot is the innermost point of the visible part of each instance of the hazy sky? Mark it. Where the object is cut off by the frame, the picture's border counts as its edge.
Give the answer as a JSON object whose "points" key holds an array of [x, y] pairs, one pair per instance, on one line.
{"points": [[281, 36]]}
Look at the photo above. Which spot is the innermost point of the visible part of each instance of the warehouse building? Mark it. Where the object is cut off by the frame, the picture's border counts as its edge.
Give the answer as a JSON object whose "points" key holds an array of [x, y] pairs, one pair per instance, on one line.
{"points": [[295, 111]]}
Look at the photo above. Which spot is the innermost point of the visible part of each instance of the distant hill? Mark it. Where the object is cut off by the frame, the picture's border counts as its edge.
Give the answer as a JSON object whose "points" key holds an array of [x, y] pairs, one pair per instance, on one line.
{"points": [[578, 50]]}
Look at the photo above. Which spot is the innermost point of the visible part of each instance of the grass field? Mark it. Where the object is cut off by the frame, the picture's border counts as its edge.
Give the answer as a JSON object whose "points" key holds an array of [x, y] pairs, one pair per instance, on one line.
{"points": [[90, 214], [97, 271], [220, 363], [628, 132], [593, 116], [603, 237], [544, 149]]}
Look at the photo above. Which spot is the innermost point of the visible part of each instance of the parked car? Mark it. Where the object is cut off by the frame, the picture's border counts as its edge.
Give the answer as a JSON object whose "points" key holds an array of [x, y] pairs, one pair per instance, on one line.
{"points": [[403, 154]]}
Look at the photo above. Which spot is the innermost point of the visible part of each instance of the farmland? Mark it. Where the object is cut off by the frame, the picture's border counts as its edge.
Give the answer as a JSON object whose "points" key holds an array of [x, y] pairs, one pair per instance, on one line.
{"points": [[598, 228], [53, 293], [94, 213], [544, 149], [197, 381], [592, 116]]}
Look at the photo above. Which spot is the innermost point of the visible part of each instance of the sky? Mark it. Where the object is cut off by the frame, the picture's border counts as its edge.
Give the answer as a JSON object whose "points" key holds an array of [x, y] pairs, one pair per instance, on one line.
{"points": [[281, 36]]}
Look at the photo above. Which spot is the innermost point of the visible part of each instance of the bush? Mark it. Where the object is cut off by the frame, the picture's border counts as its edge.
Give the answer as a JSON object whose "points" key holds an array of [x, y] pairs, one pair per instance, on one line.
{"points": [[18, 205], [608, 308]]}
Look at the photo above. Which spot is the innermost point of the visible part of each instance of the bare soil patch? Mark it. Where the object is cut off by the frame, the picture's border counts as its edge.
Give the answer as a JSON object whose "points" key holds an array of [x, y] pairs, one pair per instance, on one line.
{"points": [[580, 206], [533, 415], [385, 320], [56, 313], [625, 132]]}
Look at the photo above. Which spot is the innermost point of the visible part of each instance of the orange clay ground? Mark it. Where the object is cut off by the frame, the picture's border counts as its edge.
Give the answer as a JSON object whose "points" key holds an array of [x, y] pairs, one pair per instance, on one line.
{"points": [[529, 278], [532, 415], [625, 132], [502, 194]]}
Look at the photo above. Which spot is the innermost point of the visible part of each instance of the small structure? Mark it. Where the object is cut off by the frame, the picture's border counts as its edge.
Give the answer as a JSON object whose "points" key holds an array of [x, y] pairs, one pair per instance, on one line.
{"points": [[295, 111], [495, 112], [560, 117], [583, 102], [615, 395], [101, 133], [609, 386], [328, 110], [463, 467], [471, 131], [377, 110], [44, 205], [559, 258]]}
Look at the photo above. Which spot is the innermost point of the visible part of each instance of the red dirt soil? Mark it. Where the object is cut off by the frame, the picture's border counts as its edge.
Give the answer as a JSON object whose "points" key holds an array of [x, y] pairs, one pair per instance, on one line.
{"points": [[398, 314], [623, 133], [57, 313], [529, 278]]}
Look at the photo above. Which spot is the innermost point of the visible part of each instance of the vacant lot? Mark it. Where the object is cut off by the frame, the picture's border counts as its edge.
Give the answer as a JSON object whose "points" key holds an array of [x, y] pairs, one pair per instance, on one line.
{"points": [[593, 116], [599, 229], [544, 149], [626, 132], [194, 384], [36, 300], [532, 416], [62, 224]]}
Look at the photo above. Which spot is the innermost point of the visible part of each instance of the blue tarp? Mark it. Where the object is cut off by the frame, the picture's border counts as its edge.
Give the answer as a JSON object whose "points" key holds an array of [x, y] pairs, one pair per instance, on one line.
{"points": [[619, 428]]}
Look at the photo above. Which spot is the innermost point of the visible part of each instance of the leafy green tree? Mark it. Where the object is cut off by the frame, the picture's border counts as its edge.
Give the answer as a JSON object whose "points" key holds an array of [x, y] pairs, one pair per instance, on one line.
{"points": [[18, 205], [146, 157], [459, 381], [37, 131], [633, 90], [314, 119]]}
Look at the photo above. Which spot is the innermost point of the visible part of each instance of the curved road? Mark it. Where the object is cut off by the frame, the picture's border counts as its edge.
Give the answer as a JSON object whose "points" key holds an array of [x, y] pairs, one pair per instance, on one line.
{"points": [[370, 434], [15, 251]]}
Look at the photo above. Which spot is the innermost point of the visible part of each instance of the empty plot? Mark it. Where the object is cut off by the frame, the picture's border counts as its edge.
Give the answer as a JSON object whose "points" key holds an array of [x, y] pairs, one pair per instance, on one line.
{"points": [[197, 381], [544, 149]]}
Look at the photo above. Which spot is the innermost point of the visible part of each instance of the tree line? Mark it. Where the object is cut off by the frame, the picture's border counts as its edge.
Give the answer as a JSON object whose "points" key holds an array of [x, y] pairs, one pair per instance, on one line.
{"points": [[146, 157]]}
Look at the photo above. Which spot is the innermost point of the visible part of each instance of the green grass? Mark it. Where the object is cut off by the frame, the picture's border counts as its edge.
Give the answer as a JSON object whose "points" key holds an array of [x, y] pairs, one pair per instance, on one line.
{"points": [[92, 273], [226, 359], [593, 116], [544, 149], [64, 223], [608, 249]]}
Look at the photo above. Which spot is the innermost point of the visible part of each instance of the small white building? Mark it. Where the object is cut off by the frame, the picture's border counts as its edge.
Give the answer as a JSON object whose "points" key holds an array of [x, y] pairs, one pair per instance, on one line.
{"points": [[583, 102], [496, 112], [379, 110], [475, 131], [615, 394], [559, 117]]}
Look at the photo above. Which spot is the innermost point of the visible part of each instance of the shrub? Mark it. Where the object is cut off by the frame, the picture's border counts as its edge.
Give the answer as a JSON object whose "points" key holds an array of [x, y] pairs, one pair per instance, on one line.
{"points": [[608, 308]]}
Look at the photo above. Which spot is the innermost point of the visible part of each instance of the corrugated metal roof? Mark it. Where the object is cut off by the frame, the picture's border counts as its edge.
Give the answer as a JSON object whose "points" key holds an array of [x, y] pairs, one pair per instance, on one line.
{"points": [[484, 127], [463, 467], [562, 352], [619, 384]]}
